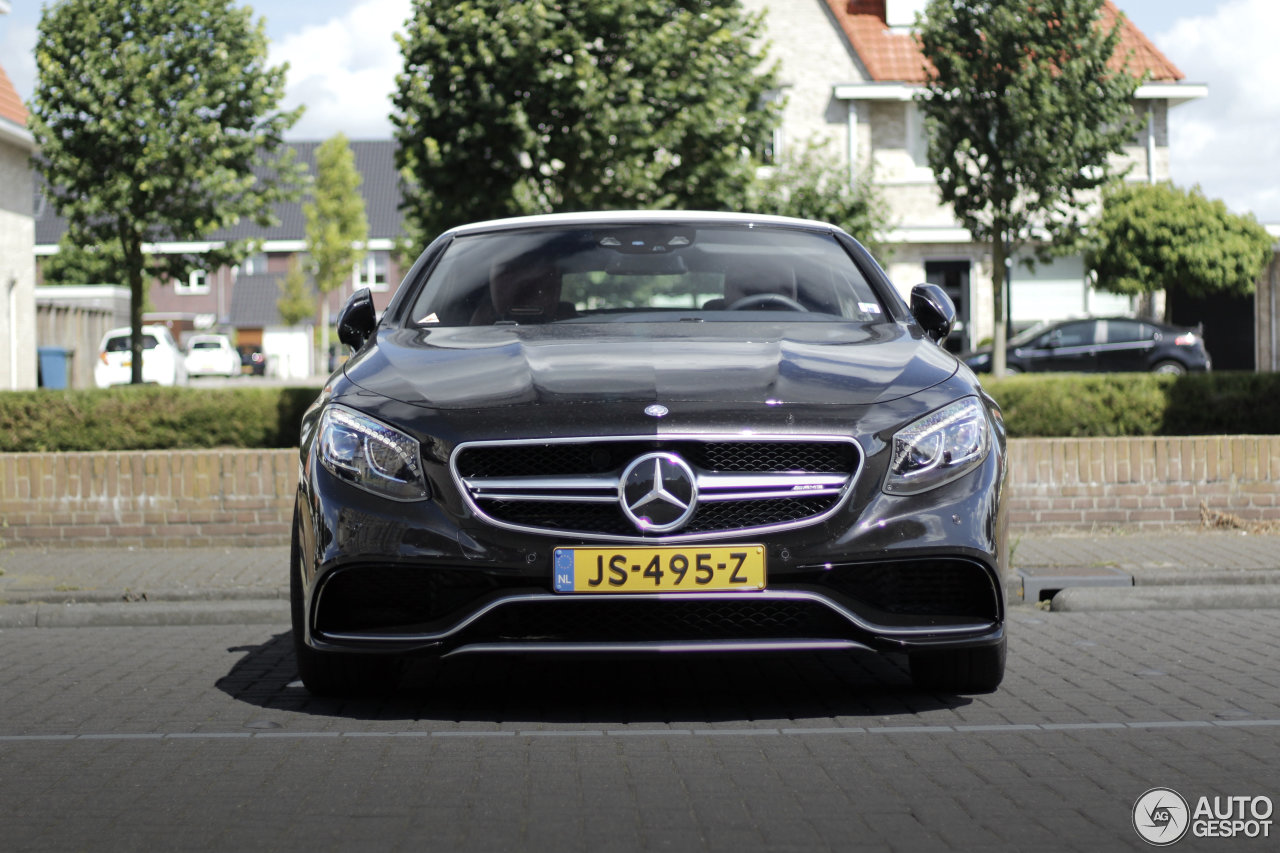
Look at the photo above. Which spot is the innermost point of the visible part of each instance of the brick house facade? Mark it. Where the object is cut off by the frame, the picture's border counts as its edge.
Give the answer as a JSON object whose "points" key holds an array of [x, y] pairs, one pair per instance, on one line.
{"points": [[850, 70], [241, 300], [17, 236]]}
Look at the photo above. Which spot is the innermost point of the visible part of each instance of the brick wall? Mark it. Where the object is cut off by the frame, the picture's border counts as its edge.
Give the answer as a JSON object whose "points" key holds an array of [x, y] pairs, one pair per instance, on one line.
{"points": [[140, 498], [245, 497], [1150, 482]]}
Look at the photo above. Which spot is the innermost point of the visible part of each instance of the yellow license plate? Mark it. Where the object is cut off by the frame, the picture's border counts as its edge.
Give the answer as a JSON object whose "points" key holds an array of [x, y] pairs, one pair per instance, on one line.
{"points": [[675, 569]]}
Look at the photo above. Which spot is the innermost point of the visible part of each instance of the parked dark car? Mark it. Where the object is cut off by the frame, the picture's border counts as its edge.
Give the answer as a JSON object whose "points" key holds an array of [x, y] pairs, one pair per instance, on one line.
{"points": [[252, 361], [649, 433], [1100, 345]]}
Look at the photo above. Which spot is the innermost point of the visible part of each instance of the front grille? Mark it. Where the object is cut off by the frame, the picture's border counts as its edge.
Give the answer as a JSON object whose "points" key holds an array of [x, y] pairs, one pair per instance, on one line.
{"points": [[572, 487], [607, 518], [670, 620], [603, 456]]}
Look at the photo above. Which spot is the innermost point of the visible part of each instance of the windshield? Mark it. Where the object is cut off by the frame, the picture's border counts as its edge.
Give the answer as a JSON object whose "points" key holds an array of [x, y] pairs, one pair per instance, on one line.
{"points": [[646, 273], [120, 343], [1026, 336]]}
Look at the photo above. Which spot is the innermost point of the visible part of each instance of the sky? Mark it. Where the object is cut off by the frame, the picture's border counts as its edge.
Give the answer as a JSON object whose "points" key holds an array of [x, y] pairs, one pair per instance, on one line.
{"points": [[343, 60]]}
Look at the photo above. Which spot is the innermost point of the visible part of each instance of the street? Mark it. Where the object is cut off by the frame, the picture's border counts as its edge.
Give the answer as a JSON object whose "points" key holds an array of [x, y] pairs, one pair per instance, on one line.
{"points": [[199, 738]]}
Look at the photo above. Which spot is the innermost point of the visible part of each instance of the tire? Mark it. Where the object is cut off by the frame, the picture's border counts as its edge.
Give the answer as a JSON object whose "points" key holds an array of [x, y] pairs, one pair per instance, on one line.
{"points": [[338, 674], [976, 670], [1170, 368]]}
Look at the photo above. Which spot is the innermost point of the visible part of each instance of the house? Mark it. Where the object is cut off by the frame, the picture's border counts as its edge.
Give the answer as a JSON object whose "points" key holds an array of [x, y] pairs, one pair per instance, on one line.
{"points": [[242, 299], [851, 70], [17, 236]]}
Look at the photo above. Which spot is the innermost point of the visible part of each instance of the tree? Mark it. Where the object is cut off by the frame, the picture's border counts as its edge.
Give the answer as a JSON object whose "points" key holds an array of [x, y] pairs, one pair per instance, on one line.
{"points": [[336, 225], [810, 184], [1150, 237], [509, 107], [1023, 106], [80, 261], [296, 302], [158, 121]]}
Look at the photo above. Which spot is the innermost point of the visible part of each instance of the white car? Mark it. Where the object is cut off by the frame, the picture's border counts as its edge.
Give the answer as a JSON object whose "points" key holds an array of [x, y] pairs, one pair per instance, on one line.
{"points": [[212, 355], [162, 362]]}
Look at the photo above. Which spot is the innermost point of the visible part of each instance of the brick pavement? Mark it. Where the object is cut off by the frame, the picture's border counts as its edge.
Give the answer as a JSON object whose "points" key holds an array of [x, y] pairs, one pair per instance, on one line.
{"points": [[210, 744]]}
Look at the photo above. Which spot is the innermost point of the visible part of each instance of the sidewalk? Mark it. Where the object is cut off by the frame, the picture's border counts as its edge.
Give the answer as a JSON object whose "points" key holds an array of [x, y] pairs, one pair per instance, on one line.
{"points": [[1184, 568]]}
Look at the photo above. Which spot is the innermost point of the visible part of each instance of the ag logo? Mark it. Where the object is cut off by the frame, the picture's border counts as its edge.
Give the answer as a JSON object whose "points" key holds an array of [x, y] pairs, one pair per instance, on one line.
{"points": [[1161, 816]]}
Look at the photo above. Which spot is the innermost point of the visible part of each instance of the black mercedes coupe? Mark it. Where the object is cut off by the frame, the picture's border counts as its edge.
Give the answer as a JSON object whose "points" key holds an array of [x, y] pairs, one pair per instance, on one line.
{"points": [[649, 433]]}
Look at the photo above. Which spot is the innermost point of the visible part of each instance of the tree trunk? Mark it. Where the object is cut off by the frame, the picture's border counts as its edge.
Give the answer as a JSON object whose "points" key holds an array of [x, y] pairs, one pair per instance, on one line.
{"points": [[322, 366], [135, 263], [998, 338]]}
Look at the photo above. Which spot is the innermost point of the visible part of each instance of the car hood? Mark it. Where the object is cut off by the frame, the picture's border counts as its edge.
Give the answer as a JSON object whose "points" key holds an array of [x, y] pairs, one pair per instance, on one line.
{"points": [[814, 363]]}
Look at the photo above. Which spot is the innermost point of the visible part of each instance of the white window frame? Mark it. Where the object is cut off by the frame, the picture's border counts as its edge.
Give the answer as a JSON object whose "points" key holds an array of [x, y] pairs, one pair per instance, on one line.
{"points": [[365, 273], [197, 284]]}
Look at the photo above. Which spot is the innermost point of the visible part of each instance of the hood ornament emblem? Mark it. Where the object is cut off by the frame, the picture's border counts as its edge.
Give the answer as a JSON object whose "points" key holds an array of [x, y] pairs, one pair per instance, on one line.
{"points": [[657, 410]]}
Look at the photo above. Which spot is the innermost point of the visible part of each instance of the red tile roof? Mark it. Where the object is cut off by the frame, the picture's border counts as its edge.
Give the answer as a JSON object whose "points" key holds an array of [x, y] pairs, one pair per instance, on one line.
{"points": [[891, 56], [10, 104]]}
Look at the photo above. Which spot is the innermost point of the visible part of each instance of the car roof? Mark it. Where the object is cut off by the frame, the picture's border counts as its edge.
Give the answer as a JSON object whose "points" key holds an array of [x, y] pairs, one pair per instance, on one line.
{"points": [[124, 330], [639, 217]]}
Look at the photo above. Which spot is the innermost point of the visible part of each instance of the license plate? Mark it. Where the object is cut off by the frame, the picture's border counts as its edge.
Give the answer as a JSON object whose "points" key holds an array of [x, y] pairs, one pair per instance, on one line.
{"points": [[721, 569]]}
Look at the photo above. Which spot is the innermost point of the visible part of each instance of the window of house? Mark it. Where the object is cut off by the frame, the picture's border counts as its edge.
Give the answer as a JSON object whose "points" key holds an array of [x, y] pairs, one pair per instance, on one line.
{"points": [[197, 283], [254, 264], [372, 271], [917, 137], [771, 151]]}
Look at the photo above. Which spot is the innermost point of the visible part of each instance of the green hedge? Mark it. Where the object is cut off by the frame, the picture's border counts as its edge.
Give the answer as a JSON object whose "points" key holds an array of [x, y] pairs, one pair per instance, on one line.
{"points": [[1117, 404], [150, 418]]}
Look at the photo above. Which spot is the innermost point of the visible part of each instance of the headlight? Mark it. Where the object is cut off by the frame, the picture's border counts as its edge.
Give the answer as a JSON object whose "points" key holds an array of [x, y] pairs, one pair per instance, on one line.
{"points": [[371, 455], [938, 448]]}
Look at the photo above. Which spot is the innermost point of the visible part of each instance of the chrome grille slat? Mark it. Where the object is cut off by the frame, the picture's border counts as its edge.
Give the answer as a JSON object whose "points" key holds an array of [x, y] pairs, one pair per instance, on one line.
{"points": [[531, 485]]}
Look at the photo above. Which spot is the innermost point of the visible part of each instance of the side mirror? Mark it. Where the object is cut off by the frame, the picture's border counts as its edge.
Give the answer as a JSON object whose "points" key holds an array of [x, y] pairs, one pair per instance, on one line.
{"points": [[933, 310], [357, 319]]}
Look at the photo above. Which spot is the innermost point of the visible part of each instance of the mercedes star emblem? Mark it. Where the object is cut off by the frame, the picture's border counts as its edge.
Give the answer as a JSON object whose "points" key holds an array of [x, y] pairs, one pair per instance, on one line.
{"points": [[658, 492]]}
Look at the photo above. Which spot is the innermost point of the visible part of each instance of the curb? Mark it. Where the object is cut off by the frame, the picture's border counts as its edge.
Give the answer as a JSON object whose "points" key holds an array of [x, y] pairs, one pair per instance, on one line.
{"points": [[1187, 597], [144, 614]]}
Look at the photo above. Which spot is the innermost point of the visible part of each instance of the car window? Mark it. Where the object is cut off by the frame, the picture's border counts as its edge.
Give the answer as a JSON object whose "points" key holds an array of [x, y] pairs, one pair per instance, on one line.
{"points": [[1126, 331], [206, 345], [120, 343], [649, 272], [1071, 335]]}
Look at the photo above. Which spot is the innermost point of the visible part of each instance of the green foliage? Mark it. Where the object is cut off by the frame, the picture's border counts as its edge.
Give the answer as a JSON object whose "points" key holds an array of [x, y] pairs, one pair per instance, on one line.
{"points": [[811, 184], [336, 224], [296, 302], [1155, 236], [82, 262], [509, 107], [1022, 112], [158, 121], [1131, 404], [151, 418], [1077, 405]]}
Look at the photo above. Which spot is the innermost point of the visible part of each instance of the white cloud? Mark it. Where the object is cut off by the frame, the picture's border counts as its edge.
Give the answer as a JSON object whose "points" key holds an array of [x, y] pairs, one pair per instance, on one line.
{"points": [[343, 71], [1229, 143]]}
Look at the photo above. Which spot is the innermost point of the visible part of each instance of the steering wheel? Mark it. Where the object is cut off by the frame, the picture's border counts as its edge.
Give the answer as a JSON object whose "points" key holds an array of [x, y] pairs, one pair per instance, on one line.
{"points": [[760, 300]]}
